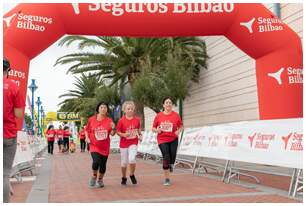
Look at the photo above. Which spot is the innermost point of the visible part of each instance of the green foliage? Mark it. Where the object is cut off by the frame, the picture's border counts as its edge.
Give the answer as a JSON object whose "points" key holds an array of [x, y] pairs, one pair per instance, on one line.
{"points": [[150, 89], [28, 120], [153, 67], [88, 93], [173, 80]]}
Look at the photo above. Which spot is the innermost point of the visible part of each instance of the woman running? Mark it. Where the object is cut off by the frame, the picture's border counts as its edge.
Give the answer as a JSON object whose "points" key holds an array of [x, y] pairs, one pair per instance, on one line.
{"points": [[66, 136], [168, 125], [50, 134], [60, 135], [98, 129], [82, 139], [129, 130]]}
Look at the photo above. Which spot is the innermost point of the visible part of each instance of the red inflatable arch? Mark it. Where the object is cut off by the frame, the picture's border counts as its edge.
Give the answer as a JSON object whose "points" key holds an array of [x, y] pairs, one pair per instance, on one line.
{"points": [[31, 28]]}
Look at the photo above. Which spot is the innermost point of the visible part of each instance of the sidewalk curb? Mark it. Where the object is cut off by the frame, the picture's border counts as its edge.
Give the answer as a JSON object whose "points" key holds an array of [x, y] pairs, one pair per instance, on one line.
{"points": [[40, 188]]}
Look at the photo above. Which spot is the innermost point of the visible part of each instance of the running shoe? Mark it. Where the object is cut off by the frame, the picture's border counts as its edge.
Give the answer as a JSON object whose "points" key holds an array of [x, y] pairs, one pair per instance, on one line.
{"points": [[123, 180], [167, 182], [133, 179], [100, 183], [92, 182]]}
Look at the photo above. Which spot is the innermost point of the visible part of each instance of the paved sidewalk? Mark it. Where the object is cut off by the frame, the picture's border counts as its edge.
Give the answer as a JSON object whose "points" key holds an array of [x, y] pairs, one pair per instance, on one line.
{"points": [[69, 176]]}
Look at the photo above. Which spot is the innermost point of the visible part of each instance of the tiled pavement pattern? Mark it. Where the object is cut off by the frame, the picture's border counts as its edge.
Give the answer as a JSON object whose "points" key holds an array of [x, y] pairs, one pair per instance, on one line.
{"points": [[21, 191], [70, 175]]}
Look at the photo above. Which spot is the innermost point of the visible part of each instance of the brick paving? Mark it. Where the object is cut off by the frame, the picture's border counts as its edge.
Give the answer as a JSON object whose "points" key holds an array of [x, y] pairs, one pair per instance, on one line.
{"points": [[244, 199], [275, 181], [21, 191], [70, 174]]}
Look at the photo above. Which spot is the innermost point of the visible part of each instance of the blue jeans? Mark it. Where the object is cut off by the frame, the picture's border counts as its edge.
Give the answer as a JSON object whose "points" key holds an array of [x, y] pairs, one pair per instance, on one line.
{"points": [[9, 150]]}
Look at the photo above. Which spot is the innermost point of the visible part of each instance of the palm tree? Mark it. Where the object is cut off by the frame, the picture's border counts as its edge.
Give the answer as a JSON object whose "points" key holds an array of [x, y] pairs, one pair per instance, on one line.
{"points": [[85, 89], [89, 91], [124, 59]]}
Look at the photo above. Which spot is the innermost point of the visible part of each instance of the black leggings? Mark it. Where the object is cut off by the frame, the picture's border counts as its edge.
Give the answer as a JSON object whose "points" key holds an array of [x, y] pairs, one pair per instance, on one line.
{"points": [[50, 147], [83, 143], [168, 151], [66, 144], [98, 162]]}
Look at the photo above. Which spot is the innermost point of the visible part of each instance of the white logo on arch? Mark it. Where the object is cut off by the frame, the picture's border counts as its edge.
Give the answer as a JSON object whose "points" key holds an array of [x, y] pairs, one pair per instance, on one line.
{"points": [[8, 20], [76, 8], [277, 75], [248, 25]]}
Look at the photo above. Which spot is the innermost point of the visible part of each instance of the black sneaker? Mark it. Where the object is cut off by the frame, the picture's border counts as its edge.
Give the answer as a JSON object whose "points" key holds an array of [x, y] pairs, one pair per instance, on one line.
{"points": [[123, 180], [133, 179], [167, 182]]}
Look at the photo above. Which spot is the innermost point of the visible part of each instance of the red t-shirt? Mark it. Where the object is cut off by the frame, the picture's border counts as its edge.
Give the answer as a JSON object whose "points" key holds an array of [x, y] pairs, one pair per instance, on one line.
{"points": [[98, 132], [131, 126], [50, 134], [11, 99], [60, 133], [82, 134], [66, 134], [169, 124]]}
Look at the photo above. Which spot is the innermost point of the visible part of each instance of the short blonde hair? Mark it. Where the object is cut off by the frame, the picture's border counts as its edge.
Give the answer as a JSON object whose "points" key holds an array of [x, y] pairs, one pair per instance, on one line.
{"points": [[128, 103]]}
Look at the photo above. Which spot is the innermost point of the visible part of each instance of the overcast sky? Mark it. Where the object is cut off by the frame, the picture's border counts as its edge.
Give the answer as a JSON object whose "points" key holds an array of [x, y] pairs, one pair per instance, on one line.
{"points": [[51, 81]]}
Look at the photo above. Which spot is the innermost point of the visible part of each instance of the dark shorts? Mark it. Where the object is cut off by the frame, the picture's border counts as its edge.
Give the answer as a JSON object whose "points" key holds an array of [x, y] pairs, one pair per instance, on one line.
{"points": [[60, 142]]}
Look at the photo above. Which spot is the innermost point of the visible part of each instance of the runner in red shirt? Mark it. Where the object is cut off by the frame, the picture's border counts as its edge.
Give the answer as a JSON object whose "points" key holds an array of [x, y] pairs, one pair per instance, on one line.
{"points": [[129, 130], [98, 129], [13, 105], [168, 125], [60, 136], [82, 139], [50, 134], [66, 136]]}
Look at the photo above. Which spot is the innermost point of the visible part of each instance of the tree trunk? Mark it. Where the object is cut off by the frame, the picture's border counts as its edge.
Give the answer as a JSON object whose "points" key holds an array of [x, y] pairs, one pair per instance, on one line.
{"points": [[139, 109], [139, 106]]}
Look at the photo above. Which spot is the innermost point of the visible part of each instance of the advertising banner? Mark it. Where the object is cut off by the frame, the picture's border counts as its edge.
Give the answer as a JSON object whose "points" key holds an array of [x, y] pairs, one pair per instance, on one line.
{"points": [[67, 116], [272, 142], [23, 151], [192, 141], [149, 144], [115, 140]]}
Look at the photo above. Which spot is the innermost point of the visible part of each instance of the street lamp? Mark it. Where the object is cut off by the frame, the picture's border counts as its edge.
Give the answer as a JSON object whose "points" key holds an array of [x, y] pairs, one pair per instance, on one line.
{"points": [[38, 102], [32, 87], [42, 118]]}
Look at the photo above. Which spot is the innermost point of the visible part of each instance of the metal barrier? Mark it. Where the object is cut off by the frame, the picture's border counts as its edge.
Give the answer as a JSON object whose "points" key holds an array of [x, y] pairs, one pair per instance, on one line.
{"points": [[296, 184], [230, 171], [34, 147]]}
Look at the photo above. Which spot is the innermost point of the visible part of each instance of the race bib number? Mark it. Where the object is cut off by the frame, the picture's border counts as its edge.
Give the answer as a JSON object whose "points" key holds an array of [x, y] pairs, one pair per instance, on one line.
{"points": [[166, 126], [132, 133], [100, 134]]}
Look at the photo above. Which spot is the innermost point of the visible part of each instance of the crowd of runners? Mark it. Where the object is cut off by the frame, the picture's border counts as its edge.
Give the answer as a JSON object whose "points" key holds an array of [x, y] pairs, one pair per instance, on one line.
{"points": [[99, 129]]}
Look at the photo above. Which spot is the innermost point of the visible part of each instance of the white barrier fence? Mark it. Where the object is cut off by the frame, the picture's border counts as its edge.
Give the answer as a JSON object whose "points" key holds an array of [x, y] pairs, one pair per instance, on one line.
{"points": [[271, 142], [149, 145], [28, 147], [265, 142], [114, 142]]}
